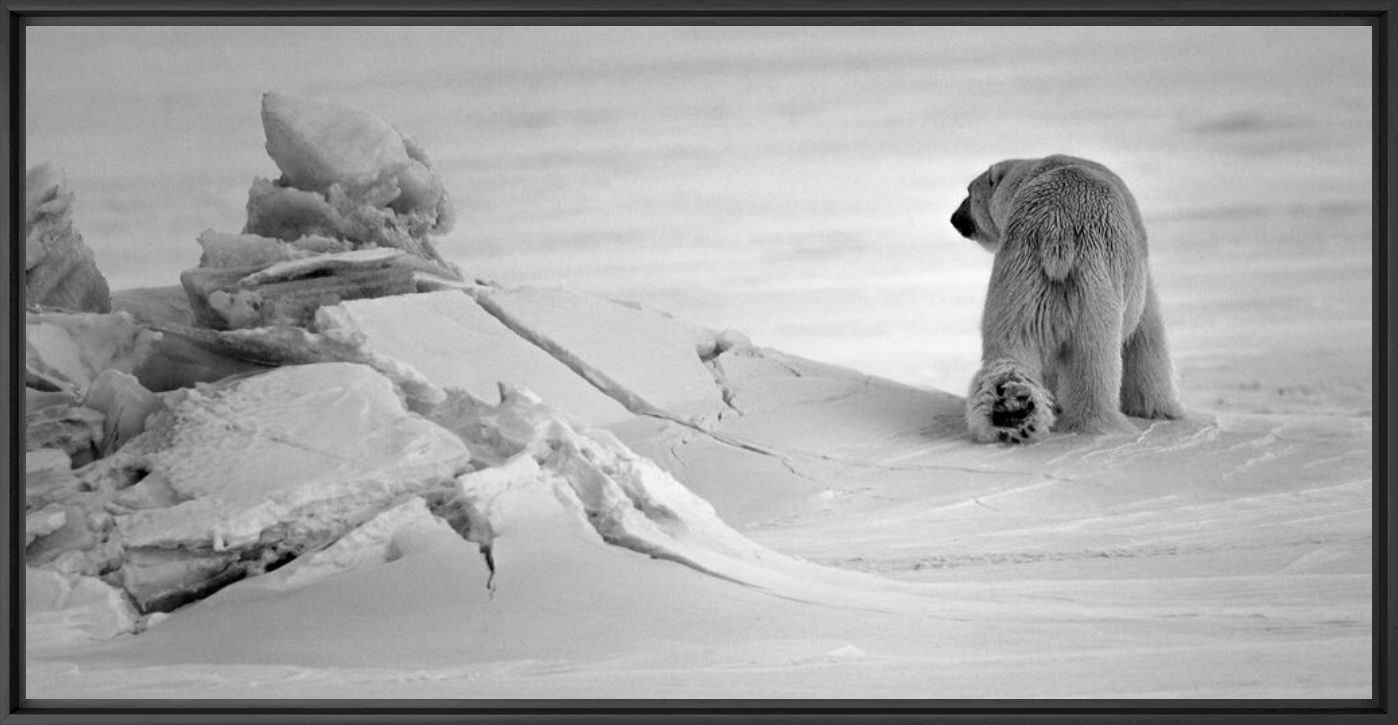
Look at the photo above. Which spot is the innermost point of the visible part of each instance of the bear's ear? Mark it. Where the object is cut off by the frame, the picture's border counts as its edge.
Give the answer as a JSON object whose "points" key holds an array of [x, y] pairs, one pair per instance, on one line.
{"points": [[995, 173]]}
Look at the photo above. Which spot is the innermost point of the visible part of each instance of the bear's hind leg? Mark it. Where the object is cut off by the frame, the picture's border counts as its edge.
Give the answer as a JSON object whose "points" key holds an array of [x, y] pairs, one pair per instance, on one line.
{"points": [[1147, 382], [1089, 375], [1007, 404]]}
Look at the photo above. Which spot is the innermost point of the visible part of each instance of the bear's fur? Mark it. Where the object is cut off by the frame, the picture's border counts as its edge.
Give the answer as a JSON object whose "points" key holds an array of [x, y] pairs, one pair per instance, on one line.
{"points": [[1071, 336]]}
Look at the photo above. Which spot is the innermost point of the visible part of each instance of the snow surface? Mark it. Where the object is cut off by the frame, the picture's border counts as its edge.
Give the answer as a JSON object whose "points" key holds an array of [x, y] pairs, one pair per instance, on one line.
{"points": [[834, 535], [794, 183]]}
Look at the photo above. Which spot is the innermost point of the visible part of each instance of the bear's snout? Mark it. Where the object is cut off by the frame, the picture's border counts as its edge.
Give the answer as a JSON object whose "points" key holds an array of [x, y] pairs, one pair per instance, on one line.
{"points": [[961, 219]]}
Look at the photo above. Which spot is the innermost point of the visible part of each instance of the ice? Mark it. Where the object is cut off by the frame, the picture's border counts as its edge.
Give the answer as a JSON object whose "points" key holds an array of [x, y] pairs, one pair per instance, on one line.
{"points": [[318, 144], [69, 350], [350, 217], [1227, 555], [293, 290], [80, 396], [233, 478], [647, 362], [59, 269], [316, 442], [628, 501], [43, 522], [241, 251], [323, 263], [75, 430], [349, 176], [450, 340], [126, 405], [48, 475], [838, 527], [381, 539], [932, 564], [64, 610]]}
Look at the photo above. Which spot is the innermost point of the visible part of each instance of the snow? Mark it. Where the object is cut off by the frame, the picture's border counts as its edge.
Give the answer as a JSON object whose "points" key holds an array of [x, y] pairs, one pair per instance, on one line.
{"points": [[676, 513], [836, 535]]}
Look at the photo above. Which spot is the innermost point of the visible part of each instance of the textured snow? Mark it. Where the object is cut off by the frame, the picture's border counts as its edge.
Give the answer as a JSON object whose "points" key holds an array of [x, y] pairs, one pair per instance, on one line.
{"points": [[833, 535], [632, 503], [794, 182]]}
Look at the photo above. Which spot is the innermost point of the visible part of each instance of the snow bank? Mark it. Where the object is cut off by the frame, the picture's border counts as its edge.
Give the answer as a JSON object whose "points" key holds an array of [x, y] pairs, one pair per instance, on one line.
{"points": [[589, 477], [830, 534]]}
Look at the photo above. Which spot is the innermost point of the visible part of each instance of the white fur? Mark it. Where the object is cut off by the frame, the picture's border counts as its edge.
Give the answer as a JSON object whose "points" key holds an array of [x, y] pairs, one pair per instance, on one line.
{"points": [[1071, 317]]}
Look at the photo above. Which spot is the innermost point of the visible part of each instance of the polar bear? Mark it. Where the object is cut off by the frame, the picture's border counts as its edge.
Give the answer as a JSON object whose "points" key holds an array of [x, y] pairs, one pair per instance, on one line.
{"points": [[1071, 336]]}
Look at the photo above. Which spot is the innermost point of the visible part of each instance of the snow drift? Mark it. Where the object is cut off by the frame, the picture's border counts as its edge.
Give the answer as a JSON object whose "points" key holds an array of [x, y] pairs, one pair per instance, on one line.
{"points": [[826, 527], [330, 466]]}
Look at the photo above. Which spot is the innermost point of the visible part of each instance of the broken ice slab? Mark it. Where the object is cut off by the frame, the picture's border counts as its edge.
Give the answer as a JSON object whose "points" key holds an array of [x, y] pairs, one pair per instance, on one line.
{"points": [[323, 264], [43, 522], [75, 430], [176, 360], [327, 440], [126, 405], [289, 293], [48, 476], [349, 176], [454, 343], [267, 467], [382, 539], [318, 143], [292, 214], [154, 304], [68, 350], [245, 251], [59, 269], [647, 362], [51, 536], [67, 610]]}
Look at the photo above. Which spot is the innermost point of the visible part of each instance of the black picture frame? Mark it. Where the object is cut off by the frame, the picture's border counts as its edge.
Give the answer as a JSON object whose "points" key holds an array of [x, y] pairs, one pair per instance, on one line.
{"points": [[16, 15]]}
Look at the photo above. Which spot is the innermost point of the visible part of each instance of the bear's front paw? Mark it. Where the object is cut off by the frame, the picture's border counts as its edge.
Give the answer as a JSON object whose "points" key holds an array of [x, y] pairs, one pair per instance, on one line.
{"points": [[1007, 406]]}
